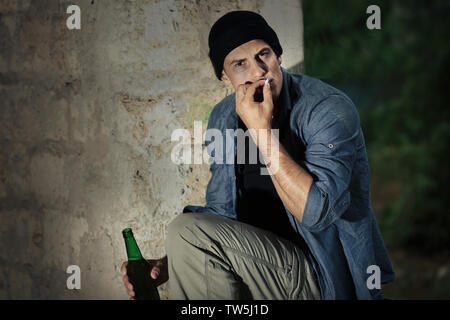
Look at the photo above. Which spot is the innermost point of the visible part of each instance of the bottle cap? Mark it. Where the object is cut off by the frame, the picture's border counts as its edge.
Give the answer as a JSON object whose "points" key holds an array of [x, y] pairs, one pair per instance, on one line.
{"points": [[127, 232]]}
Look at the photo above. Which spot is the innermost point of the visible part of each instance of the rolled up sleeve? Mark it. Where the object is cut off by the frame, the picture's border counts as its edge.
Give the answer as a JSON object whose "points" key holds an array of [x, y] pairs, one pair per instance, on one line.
{"points": [[331, 131]]}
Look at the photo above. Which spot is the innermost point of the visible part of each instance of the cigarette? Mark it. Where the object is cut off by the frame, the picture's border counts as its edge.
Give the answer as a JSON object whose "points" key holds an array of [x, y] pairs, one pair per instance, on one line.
{"points": [[267, 80]]}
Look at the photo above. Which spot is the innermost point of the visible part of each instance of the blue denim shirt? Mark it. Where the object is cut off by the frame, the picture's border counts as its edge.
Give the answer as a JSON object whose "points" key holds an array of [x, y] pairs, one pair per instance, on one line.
{"points": [[338, 222]]}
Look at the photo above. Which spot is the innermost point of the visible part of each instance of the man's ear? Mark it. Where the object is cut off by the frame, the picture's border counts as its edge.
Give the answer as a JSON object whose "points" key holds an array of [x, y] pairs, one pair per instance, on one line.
{"points": [[226, 81], [279, 60]]}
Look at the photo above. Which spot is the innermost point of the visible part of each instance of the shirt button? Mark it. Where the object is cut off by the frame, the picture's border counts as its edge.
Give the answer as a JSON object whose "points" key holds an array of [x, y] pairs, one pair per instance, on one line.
{"points": [[331, 146]]}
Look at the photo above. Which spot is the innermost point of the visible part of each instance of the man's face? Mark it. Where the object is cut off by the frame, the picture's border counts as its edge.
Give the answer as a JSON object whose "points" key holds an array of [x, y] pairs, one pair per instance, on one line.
{"points": [[250, 62]]}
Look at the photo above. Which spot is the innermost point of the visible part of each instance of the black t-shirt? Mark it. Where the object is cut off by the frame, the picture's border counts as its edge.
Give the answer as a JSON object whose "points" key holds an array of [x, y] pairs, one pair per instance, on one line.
{"points": [[260, 204]]}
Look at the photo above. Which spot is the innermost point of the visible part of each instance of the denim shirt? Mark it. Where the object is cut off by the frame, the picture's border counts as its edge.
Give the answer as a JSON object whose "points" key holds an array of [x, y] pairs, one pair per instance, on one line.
{"points": [[338, 223]]}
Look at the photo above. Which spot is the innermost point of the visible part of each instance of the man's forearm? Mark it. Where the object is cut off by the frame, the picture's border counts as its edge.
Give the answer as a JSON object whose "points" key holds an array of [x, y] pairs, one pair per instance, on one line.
{"points": [[291, 181]]}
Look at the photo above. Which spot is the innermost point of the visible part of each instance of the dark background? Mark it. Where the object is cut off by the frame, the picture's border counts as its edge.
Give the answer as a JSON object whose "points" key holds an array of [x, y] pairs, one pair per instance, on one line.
{"points": [[398, 78]]}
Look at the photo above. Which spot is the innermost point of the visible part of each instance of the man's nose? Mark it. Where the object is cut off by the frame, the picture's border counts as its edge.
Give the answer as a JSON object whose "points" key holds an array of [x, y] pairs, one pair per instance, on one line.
{"points": [[258, 70]]}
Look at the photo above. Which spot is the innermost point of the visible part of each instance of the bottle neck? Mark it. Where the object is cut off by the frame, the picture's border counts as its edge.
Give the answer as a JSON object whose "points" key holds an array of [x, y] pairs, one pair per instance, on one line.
{"points": [[133, 251]]}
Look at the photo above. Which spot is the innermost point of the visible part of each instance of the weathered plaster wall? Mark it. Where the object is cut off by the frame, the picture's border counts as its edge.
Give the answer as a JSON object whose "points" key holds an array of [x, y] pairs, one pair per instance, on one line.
{"points": [[86, 118]]}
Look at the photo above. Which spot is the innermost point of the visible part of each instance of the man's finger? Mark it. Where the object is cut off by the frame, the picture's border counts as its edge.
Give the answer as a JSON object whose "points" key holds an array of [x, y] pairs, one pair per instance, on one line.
{"points": [[252, 88], [155, 272], [123, 268], [127, 284], [130, 287], [267, 92], [240, 92]]}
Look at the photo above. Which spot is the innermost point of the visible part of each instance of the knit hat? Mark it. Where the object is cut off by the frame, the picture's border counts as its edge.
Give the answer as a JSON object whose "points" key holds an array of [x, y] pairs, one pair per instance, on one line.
{"points": [[236, 28]]}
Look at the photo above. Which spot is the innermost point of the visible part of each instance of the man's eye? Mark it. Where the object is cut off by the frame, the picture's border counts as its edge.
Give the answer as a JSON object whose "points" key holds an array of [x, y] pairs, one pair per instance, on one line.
{"points": [[239, 64]]}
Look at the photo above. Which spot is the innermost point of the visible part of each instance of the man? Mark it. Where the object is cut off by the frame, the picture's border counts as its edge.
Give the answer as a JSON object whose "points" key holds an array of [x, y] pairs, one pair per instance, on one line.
{"points": [[307, 230]]}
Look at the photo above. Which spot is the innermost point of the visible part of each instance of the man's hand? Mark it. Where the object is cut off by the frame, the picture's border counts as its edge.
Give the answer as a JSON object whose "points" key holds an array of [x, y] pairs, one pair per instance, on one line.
{"points": [[255, 115], [159, 272]]}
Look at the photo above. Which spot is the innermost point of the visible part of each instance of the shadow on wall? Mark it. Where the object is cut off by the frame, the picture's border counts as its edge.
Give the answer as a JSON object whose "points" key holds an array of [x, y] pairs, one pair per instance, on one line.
{"points": [[298, 68]]}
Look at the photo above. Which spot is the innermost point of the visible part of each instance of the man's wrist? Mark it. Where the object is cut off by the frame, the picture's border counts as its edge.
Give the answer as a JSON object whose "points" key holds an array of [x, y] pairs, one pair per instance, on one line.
{"points": [[269, 146], [260, 136]]}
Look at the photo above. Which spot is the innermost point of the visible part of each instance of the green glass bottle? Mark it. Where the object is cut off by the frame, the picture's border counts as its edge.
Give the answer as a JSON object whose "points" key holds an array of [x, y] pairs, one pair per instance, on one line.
{"points": [[138, 270]]}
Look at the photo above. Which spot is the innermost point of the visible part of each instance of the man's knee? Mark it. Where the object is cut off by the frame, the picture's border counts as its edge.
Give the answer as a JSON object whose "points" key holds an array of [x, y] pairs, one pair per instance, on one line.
{"points": [[182, 231], [175, 229]]}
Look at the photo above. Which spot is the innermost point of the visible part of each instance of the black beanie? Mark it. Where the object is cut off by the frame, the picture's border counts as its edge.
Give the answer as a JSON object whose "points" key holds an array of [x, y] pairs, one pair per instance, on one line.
{"points": [[236, 28]]}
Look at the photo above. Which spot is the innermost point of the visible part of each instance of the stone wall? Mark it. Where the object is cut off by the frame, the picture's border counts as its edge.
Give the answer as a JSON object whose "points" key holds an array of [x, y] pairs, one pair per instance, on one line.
{"points": [[86, 118]]}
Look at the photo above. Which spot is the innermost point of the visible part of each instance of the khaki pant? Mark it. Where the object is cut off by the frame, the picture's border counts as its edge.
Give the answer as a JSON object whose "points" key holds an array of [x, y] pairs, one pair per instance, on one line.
{"points": [[211, 257]]}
